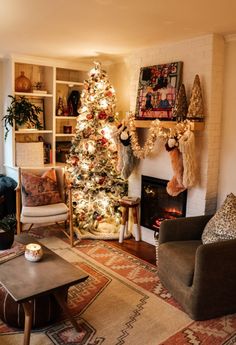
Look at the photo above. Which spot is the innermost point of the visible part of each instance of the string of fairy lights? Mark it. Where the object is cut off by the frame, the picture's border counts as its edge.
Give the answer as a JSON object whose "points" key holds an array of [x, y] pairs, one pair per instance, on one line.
{"points": [[155, 131]]}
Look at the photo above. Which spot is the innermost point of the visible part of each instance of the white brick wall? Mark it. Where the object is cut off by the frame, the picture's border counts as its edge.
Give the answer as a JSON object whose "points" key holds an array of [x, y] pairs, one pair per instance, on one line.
{"points": [[203, 56]]}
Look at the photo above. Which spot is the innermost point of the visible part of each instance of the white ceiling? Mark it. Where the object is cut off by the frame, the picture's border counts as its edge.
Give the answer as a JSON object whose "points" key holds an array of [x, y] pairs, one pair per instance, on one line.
{"points": [[72, 29]]}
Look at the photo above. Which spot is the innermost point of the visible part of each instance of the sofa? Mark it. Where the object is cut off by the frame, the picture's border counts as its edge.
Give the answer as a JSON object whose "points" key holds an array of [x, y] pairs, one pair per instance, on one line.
{"points": [[201, 277]]}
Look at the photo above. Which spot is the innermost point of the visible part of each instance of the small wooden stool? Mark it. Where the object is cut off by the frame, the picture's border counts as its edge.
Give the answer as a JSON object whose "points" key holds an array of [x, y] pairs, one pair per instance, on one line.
{"points": [[133, 204]]}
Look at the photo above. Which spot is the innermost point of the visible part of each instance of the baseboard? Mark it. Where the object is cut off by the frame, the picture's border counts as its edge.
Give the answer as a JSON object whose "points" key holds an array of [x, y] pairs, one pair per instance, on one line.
{"points": [[147, 235]]}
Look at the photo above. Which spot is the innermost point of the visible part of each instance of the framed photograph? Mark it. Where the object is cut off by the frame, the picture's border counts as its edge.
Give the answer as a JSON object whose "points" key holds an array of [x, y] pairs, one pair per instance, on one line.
{"points": [[158, 86]]}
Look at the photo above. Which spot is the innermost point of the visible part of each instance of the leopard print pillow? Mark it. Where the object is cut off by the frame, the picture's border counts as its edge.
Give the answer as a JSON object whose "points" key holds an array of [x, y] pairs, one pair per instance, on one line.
{"points": [[222, 226]]}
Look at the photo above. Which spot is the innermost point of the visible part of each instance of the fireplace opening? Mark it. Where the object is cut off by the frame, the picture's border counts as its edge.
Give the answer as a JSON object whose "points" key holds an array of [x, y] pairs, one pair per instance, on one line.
{"points": [[157, 205]]}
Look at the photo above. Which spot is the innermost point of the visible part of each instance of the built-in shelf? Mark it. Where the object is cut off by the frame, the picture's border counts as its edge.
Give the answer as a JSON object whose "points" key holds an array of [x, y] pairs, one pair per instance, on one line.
{"points": [[65, 135], [195, 126], [32, 94], [33, 131], [69, 83], [66, 117]]}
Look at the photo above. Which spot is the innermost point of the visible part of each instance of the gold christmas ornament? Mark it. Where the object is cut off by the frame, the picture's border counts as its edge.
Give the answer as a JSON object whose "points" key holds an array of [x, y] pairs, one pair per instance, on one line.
{"points": [[195, 109]]}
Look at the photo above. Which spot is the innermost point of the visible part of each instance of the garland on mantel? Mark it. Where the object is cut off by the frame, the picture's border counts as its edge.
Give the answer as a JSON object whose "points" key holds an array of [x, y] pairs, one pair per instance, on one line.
{"points": [[156, 130], [179, 142]]}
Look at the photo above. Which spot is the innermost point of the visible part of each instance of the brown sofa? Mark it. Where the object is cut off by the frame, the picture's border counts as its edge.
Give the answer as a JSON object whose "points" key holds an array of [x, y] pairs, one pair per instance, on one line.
{"points": [[202, 278]]}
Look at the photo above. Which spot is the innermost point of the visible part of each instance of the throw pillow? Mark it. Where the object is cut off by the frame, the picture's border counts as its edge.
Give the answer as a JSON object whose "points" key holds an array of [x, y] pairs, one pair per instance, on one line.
{"points": [[222, 226], [40, 190]]}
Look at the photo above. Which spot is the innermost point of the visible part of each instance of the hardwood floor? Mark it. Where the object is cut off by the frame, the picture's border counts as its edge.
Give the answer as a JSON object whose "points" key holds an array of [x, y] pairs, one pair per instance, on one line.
{"points": [[142, 250]]}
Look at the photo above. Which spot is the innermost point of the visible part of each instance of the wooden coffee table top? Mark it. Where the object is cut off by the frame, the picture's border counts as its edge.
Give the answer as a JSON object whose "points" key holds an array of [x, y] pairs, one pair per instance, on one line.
{"points": [[24, 279]]}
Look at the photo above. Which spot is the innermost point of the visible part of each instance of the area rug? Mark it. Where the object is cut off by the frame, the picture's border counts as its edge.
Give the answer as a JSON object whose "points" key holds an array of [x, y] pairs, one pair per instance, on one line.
{"points": [[122, 302]]}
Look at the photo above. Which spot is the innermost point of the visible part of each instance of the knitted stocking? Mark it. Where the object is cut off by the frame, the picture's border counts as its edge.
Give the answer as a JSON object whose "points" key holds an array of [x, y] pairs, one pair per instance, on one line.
{"points": [[175, 185], [187, 148]]}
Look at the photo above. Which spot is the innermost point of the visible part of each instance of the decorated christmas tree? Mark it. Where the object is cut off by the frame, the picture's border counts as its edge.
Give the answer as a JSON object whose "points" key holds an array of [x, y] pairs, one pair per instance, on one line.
{"points": [[92, 162]]}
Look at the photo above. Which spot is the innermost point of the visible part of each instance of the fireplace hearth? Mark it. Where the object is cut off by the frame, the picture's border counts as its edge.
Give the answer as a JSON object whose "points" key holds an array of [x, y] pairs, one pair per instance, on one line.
{"points": [[157, 205]]}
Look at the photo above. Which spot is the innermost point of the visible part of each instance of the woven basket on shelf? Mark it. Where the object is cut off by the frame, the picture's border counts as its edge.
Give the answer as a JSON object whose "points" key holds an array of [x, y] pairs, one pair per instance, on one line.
{"points": [[29, 154]]}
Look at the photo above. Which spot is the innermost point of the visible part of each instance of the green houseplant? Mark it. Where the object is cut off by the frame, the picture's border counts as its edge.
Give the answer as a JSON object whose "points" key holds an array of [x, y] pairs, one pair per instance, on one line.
{"points": [[7, 231], [21, 111]]}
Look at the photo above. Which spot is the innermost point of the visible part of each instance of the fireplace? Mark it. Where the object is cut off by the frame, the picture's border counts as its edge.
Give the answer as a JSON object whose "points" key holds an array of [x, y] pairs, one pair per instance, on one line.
{"points": [[157, 204]]}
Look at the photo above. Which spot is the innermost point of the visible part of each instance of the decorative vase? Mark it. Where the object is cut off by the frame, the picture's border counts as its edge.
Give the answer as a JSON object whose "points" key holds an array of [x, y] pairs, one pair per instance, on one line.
{"points": [[22, 83], [6, 239], [73, 102], [33, 252]]}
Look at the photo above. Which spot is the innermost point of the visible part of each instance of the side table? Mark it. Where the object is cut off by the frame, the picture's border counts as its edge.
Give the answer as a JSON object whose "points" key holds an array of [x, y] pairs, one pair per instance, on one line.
{"points": [[132, 204]]}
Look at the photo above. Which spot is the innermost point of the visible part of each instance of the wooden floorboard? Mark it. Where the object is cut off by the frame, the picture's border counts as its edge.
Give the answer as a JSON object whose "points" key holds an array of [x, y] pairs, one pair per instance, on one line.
{"points": [[141, 249]]}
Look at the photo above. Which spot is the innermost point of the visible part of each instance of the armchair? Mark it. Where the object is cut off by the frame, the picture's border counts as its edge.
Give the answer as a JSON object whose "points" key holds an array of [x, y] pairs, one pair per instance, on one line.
{"points": [[42, 197], [201, 277]]}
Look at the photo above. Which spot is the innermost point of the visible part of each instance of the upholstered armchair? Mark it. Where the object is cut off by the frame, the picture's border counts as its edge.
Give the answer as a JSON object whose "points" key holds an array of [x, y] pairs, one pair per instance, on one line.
{"points": [[42, 197], [201, 277]]}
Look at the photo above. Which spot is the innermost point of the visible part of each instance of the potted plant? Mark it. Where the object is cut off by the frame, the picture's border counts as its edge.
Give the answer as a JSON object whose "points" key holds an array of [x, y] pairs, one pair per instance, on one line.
{"points": [[7, 231], [21, 111]]}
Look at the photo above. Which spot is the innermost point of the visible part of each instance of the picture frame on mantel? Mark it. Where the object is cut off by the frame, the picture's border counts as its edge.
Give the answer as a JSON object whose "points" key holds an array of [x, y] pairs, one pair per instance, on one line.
{"points": [[157, 90]]}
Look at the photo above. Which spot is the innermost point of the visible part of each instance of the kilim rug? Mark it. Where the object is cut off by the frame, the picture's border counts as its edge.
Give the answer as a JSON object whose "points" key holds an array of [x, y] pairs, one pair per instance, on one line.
{"points": [[122, 302]]}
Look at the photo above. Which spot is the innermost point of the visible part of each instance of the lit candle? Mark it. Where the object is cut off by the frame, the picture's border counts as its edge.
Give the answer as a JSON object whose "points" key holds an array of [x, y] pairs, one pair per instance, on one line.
{"points": [[33, 252]]}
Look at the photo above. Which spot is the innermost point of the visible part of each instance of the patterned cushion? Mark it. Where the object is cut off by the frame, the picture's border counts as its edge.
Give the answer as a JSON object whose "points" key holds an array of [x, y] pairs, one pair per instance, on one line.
{"points": [[40, 190], [222, 226]]}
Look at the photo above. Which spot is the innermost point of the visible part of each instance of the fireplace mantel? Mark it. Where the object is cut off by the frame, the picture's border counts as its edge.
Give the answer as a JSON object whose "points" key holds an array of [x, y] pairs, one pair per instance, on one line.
{"points": [[195, 126]]}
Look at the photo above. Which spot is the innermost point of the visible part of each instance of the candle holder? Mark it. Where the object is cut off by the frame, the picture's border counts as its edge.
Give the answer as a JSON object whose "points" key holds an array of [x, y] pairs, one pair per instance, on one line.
{"points": [[33, 252]]}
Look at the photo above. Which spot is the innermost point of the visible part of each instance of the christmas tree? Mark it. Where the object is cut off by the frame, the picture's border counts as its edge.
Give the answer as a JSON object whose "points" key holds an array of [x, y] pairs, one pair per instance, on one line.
{"points": [[91, 164]]}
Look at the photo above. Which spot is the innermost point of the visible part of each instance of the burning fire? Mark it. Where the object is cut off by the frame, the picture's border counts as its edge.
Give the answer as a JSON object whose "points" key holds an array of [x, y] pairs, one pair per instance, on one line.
{"points": [[169, 213]]}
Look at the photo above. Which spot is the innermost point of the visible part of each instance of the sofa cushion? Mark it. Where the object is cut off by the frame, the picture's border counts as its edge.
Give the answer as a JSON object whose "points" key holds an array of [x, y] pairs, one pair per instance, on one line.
{"points": [[222, 226], [40, 190], [177, 259]]}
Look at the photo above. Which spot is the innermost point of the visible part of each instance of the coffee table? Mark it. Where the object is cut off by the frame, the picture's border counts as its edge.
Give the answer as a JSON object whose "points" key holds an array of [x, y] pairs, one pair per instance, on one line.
{"points": [[25, 280]]}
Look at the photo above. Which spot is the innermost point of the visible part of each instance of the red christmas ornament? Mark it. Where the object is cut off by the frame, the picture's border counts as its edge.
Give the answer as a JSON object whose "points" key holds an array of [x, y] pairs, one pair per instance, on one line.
{"points": [[101, 180], [109, 94], [74, 160], [103, 141], [89, 116], [102, 115]]}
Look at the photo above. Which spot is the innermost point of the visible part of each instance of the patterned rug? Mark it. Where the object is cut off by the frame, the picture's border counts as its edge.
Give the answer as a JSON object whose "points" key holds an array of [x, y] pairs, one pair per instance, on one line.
{"points": [[122, 302]]}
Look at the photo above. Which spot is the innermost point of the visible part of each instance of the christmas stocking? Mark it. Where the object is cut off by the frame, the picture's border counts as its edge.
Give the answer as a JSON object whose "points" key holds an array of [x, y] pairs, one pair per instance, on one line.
{"points": [[175, 185]]}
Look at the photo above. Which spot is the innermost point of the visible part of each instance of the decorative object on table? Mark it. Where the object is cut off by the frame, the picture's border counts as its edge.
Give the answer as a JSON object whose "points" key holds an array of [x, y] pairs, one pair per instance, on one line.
{"points": [[97, 186], [22, 83], [196, 109], [33, 252], [23, 112], [7, 231], [73, 102], [158, 86], [181, 105], [67, 129], [126, 159]]}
